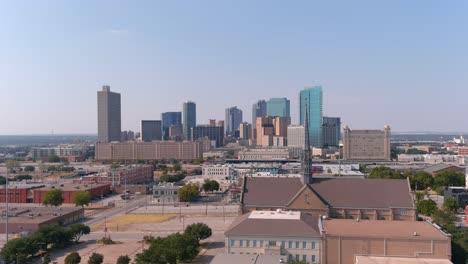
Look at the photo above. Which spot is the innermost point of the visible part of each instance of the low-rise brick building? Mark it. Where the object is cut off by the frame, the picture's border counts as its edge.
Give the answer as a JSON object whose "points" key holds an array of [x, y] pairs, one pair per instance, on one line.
{"points": [[19, 193], [28, 220], [69, 190]]}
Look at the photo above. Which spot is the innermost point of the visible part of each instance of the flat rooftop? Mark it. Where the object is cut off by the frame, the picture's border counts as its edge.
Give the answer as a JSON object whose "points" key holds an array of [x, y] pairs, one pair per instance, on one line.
{"points": [[273, 223], [73, 186], [283, 215], [380, 228], [392, 260], [36, 214], [24, 185]]}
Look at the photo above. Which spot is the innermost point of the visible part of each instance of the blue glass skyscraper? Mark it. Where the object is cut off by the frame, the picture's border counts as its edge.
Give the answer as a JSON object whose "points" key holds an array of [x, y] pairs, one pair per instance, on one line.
{"points": [[278, 107], [189, 118], [312, 99], [170, 119]]}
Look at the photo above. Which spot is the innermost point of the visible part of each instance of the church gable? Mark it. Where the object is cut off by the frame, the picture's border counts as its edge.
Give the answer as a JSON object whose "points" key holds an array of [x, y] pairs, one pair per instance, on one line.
{"points": [[305, 199]]}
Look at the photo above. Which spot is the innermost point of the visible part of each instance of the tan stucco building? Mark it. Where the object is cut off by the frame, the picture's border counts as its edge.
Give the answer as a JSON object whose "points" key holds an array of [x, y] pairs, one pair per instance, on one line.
{"points": [[344, 240], [155, 150], [366, 144]]}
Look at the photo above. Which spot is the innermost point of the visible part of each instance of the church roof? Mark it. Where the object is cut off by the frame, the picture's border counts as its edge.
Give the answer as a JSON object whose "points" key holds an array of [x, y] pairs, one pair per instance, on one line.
{"points": [[336, 192]]}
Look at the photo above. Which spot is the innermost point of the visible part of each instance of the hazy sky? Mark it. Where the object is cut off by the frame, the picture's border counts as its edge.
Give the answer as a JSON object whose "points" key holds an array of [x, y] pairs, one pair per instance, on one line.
{"points": [[402, 63]]}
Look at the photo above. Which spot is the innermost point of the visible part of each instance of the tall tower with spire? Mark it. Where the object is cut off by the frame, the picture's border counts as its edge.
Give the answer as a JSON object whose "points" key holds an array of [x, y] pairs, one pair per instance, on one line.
{"points": [[306, 161]]}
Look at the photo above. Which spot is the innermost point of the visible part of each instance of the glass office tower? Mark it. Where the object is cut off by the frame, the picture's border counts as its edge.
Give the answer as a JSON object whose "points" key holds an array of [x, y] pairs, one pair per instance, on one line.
{"points": [[189, 119], [312, 99], [278, 107]]}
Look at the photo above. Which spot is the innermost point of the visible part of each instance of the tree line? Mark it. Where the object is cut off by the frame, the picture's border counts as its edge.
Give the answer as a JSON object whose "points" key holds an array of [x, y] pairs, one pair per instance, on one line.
{"points": [[46, 238], [421, 180], [175, 248]]}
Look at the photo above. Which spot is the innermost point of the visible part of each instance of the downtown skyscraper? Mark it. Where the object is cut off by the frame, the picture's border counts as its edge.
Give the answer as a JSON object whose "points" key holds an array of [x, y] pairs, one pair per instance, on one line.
{"points": [[233, 120], [189, 118], [109, 115], [278, 107], [310, 101], [170, 119], [259, 109], [331, 131]]}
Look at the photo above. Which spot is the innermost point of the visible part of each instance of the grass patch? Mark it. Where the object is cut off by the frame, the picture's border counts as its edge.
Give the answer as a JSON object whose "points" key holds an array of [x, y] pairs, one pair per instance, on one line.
{"points": [[122, 222]]}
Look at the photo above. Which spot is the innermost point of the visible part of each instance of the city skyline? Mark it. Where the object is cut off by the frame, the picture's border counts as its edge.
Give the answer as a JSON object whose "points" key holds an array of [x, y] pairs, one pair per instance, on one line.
{"points": [[383, 63]]}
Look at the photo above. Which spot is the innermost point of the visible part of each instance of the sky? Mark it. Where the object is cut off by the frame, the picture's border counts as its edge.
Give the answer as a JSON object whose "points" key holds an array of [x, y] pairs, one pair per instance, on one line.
{"points": [[401, 63]]}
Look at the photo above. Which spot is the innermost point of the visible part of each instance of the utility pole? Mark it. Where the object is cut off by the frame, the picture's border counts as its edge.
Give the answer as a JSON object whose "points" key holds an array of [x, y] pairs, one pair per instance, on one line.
{"points": [[6, 201]]}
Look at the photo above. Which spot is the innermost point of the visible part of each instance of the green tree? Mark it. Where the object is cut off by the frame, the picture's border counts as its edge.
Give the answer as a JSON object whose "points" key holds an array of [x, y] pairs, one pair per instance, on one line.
{"points": [[96, 258], [12, 165], [64, 161], [394, 152], [444, 218], [176, 167], [53, 197], [189, 192], [413, 151], [123, 260], [29, 168], [210, 185], [421, 180], [21, 259], [419, 196], [73, 258], [449, 178], [171, 249], [24, 246], [385, 173], [460, 246], [54, 158], [426, 207], [199, 231], [82, 198], [23, 177], [76, 231], [451, 204], [53, 235]]}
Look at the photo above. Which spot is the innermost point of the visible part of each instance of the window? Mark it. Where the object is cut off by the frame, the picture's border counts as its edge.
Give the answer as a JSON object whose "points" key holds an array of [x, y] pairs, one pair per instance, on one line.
{"points": [[304, 258], [297, 244], [297, 257], [289, 258], [232, 242], [313, 245], [304, 245], [261, 243], [313, 258], [241, 243], [247, 243], [283, 244], [255, 243], [271, 243], [290, 244]]}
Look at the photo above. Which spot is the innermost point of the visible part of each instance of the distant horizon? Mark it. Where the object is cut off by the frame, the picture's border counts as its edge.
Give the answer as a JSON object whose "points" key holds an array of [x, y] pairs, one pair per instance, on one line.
{"points": [[392, 132]]}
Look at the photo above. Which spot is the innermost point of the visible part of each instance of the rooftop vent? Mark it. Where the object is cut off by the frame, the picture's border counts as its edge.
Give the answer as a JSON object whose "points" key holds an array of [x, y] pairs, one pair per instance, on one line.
{"points": [[415, 234]]}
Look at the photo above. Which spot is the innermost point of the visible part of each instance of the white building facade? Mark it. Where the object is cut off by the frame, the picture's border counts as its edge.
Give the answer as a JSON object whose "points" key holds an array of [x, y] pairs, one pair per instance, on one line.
{"points": [[290, 235]]}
